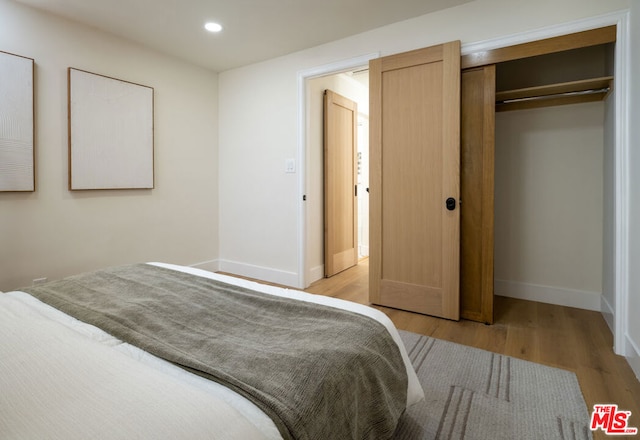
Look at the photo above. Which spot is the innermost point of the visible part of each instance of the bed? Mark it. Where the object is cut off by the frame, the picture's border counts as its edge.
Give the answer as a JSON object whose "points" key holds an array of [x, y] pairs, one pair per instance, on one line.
{"points": [[140, 352]]}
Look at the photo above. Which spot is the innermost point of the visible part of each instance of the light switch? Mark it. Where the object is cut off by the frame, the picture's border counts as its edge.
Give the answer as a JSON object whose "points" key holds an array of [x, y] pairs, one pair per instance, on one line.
{"points": [[290, 166]]}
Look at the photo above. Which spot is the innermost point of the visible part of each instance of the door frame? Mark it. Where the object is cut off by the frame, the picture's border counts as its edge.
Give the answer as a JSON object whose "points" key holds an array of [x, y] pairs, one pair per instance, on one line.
{"points": [[619, 321], [304, 76]]}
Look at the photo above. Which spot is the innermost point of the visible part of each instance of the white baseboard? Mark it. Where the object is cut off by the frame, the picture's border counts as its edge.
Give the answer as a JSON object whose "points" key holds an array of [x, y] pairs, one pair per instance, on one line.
{"points": [[315, 274], [608, 313], [632, 351], [635, 366], [259, 273], [632, 347], [549, 294], [211, 265]]}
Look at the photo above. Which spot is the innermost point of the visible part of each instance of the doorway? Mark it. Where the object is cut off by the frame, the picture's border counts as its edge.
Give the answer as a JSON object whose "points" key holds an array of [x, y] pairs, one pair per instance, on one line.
{"points": [[352, 84]]}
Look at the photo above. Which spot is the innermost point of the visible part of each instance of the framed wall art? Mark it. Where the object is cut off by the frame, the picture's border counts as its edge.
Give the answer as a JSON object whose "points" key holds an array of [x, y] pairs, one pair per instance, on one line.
{"points": [[110, 133], [17, 170]]}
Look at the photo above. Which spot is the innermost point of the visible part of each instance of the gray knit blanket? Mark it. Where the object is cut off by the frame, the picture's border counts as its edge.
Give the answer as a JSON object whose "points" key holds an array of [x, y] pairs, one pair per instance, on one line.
{"points": [[318, 372]]}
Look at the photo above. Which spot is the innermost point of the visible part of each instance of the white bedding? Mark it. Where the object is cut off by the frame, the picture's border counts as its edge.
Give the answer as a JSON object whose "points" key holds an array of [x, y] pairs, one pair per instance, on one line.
{"points": [[241, 414], [67, 386]]}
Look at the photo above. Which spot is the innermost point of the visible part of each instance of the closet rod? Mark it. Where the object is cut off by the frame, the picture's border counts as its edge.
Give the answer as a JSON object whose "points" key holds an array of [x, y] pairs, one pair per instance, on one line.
{"points": [[556, 95]]}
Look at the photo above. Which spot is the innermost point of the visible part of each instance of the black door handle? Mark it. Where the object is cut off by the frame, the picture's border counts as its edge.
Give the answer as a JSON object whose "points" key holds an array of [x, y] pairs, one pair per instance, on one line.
{"points": [[451, 203]]}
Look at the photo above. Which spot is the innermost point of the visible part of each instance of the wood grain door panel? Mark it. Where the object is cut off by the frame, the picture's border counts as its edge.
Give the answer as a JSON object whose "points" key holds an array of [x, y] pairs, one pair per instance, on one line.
{"points": [[477, 195], [340, 179], [414, 168]]}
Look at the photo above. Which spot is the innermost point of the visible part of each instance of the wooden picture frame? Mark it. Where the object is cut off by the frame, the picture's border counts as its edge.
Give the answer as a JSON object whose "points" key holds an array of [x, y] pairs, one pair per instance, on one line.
{"points": [[17, 123], [110, 133]]}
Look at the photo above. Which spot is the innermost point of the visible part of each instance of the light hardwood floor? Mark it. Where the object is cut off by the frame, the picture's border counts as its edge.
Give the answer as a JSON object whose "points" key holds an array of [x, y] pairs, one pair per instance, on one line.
{"points": [[563, 337]]}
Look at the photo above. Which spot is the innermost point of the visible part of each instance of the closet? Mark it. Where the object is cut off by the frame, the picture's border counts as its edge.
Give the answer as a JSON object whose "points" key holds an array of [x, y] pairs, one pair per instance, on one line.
{"points": [[432, 144], [569, 69]]}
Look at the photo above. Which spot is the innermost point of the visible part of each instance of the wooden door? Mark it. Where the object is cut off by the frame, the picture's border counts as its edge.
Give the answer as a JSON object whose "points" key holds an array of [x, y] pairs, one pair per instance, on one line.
{"points": [[340, 183], [477, 146], [414, 169]]}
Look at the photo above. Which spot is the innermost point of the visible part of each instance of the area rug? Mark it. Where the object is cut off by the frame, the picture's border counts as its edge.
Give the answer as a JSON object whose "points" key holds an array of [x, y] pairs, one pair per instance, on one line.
{"points": [[474, 394]]}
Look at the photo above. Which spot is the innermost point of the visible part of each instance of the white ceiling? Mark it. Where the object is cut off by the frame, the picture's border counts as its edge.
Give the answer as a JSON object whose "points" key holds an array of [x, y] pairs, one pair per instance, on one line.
{"points": [[254, 30]]}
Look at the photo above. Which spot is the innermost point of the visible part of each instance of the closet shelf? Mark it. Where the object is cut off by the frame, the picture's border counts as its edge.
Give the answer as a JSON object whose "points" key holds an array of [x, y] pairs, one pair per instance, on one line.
{"points": [[588, 90]]}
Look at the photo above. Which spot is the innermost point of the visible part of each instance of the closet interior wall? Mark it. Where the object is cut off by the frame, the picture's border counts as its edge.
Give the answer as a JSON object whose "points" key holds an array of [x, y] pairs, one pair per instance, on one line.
{"points": [[552, 194]]}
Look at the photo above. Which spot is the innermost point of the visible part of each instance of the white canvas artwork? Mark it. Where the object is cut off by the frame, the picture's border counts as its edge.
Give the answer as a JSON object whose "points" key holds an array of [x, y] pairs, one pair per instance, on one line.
{"points": [[110, 133], [16, 123]]}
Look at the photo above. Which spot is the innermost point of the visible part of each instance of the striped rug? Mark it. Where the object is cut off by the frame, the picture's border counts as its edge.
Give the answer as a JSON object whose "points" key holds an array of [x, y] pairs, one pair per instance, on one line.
{"points": [[478, 395]]}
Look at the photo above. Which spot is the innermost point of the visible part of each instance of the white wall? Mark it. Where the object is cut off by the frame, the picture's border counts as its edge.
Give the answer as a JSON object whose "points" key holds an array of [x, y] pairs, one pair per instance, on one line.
{"points": [[258, 199], [633, 309], [54, 232], [549, 204], [608, 299], [349, 88], [258, 120]]}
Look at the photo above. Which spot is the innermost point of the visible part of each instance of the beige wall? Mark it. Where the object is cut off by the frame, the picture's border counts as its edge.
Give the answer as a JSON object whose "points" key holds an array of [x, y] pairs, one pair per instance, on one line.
{"points": [[54, 232], [549, 204]]}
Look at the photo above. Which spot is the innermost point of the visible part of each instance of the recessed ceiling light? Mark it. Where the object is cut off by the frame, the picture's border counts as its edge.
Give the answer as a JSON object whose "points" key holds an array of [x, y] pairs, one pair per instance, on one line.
{"points": [[213, 27]]}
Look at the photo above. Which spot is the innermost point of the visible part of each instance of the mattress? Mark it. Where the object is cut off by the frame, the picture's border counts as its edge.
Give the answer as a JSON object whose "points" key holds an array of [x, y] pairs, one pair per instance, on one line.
{"points": [[235, 412]]}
